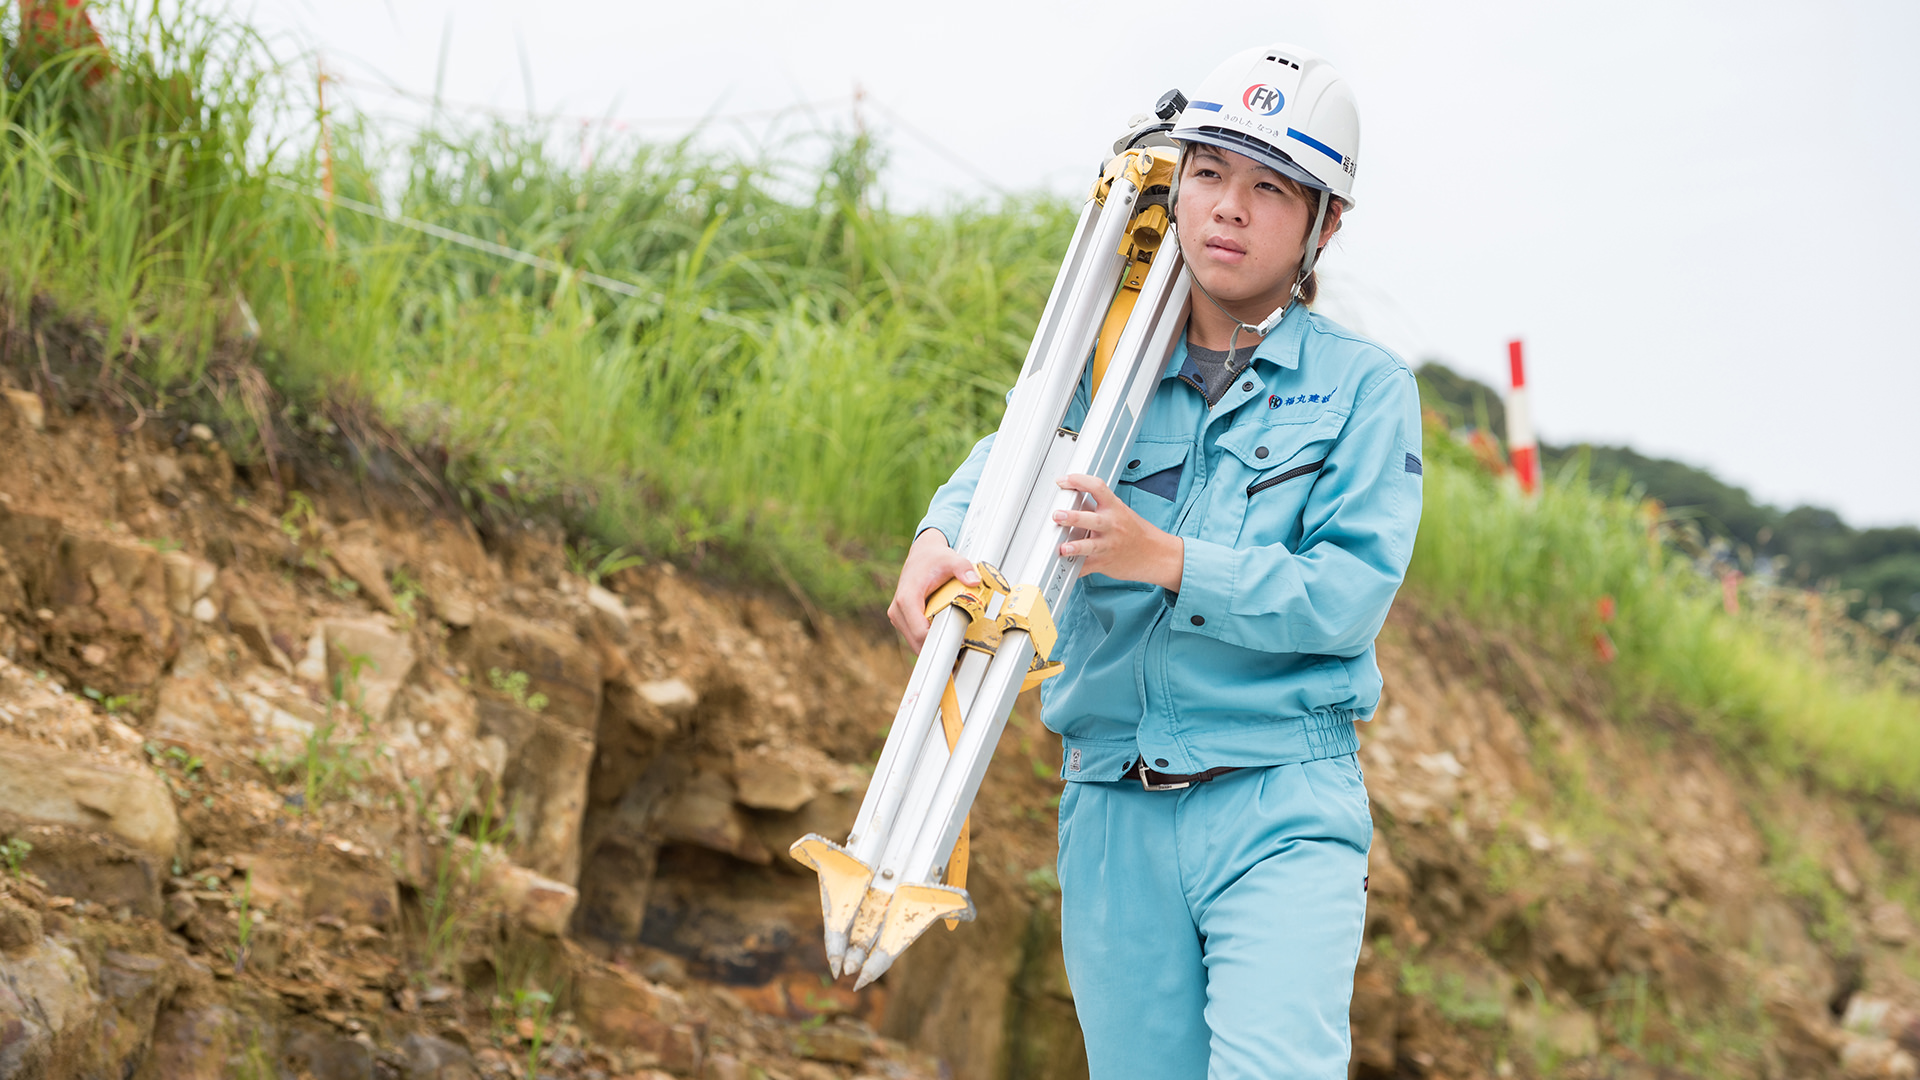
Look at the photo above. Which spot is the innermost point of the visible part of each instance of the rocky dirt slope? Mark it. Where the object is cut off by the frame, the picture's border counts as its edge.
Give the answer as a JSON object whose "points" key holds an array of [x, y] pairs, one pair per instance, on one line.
{"points": [[330, 783]]}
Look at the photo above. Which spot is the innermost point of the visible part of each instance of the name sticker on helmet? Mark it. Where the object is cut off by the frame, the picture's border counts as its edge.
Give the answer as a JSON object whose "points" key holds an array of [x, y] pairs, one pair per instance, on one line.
{"points": [[1264, 99]]}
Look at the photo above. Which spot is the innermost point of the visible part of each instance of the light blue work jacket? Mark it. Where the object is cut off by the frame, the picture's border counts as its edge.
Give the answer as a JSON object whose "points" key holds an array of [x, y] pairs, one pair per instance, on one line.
{"points": [[1297, 497]]}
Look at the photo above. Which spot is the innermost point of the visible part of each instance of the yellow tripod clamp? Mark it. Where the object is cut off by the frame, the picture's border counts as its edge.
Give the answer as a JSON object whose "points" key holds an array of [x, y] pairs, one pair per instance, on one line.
{"points": [[1021, 607]]}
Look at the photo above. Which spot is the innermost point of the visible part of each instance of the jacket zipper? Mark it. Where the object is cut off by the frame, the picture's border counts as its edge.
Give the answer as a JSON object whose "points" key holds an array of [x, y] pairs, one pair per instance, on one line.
{"points": [[1152, 656], [1259, 486], [1152, 661]]}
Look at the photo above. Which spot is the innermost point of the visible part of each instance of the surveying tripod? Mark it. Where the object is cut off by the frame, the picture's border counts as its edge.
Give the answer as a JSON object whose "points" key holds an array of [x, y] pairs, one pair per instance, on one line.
{"points": [[1118, 304]]}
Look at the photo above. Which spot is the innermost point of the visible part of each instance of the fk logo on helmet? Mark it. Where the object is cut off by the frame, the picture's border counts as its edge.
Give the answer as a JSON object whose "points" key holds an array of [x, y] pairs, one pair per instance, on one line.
{"points": [[1263, 99]]}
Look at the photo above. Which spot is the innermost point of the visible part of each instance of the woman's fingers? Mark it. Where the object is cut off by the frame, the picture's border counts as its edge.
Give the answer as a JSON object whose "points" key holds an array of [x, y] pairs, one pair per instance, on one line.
{"points": [[929, 563], [1119, 542], [1095, 522], [1079, 519], [902, 616], [1102, 494], [908, 612], [916, 622], [954, 565]]}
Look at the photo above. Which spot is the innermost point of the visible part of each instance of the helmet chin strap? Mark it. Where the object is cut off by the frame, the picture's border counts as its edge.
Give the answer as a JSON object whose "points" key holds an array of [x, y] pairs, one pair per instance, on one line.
{"points": [[1266, 325]]}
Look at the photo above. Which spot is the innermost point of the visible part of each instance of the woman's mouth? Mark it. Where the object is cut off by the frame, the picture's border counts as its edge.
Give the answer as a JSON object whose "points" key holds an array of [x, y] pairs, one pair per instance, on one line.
{"points": [[1225, 250]]}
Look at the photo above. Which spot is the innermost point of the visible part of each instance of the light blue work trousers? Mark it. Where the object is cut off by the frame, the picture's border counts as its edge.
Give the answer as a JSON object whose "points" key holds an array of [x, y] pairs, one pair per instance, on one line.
{"points": [[1213, 931]]}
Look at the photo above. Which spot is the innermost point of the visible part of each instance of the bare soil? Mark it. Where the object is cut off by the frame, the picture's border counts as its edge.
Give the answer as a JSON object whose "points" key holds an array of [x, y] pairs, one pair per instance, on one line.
{"points": [[305, 772]]}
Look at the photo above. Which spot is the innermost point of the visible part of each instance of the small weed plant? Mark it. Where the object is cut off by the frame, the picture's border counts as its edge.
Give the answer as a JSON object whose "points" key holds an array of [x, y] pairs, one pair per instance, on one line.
{"points": [[256, 1063], [347, 692], [189, 764], [300, 521], [1043, 880], [1451, 995], [513, 686], [243, 926], [406, 597], [111, 704], [526, 1016], [446, 929], [596, 562], [528, 987], [14, 854], [328, 767], [1800, 874], [334, 756]]}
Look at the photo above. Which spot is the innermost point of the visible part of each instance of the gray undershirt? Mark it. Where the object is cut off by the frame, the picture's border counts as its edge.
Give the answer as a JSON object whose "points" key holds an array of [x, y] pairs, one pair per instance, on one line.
{"points": [[1215, 376]]}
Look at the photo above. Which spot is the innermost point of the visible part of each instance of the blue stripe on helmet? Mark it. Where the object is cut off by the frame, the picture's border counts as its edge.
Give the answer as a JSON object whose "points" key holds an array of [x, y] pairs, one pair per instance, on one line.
{"points": [[1316, 144], [1210, 106]]}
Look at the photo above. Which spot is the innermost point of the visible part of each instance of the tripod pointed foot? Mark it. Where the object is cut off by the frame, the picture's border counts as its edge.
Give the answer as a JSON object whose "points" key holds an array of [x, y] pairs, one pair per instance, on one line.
{"points": [[914, 908], [843, 885]]}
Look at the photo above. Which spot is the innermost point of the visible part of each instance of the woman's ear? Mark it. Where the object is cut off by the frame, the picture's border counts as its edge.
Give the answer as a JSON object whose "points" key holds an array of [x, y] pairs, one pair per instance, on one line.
{"points": [[1332, 224]]}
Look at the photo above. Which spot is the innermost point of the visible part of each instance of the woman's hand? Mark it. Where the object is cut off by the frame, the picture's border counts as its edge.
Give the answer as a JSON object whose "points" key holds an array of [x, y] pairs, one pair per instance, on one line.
{"points": [[1121, 544], [930, 564]]}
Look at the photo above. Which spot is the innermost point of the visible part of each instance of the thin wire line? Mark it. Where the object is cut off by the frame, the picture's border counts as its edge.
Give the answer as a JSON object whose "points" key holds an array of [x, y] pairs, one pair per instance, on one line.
{"points": [[392, 90], [938, 147], [501, 250], [618, 122]]}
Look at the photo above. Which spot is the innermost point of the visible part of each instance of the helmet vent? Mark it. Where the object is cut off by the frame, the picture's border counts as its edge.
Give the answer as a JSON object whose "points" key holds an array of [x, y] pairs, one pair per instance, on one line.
{"points": [[1278, 59]]}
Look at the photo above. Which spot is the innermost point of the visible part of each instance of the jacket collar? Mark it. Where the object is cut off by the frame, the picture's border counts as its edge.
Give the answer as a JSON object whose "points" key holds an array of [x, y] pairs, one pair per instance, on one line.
{"points": [[1280, 348]]}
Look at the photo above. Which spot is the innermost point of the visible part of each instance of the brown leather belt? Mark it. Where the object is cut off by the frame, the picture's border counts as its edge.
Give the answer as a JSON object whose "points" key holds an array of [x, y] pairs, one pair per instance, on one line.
{"points": [[1159, 781]]}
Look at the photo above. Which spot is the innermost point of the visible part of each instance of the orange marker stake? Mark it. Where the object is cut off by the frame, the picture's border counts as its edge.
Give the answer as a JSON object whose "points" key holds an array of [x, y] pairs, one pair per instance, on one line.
{"points": [[1520, 444]]}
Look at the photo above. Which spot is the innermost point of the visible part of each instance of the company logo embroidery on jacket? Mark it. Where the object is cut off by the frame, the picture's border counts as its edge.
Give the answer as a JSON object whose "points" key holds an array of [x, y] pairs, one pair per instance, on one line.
{"points": [[1275, 401]]}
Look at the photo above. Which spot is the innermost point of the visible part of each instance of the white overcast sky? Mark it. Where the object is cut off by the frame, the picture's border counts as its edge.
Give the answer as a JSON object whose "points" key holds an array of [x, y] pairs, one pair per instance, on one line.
{"points": [[1701, 217]]}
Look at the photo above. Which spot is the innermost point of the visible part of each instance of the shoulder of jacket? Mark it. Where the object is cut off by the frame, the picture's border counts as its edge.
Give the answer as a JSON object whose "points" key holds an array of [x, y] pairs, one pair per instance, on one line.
{"points": [[1370, 362], [1329, 338]]}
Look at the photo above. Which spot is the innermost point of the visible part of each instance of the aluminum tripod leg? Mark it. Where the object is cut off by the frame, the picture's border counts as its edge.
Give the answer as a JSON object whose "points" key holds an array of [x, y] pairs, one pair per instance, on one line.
{"points": [[846, 874], [987, 696], [880, 891], [1099, 231]]}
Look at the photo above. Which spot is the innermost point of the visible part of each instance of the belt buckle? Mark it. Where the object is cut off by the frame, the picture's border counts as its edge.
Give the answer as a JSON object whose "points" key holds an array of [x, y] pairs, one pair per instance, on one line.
{"points": [[1151, 786]]}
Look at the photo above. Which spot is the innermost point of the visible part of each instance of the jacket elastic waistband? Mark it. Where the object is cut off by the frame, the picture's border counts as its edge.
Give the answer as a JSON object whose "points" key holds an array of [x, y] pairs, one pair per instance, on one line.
{"points": [[1251, 745]]}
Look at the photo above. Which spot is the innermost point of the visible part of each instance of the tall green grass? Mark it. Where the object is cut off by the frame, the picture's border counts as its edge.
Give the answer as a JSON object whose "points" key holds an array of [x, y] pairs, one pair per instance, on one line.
{"points": [[132, 200], [1755, 680], [802, 367]]}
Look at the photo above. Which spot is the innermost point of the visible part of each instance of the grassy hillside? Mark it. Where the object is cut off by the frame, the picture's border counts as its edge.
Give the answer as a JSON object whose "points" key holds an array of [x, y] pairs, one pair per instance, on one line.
{"points": [[800, 367], [1878, 568], [783, 372]]}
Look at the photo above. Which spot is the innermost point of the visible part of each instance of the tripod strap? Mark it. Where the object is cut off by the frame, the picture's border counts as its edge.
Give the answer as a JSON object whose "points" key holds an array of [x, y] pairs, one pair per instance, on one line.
{"points": [[950, 724]]}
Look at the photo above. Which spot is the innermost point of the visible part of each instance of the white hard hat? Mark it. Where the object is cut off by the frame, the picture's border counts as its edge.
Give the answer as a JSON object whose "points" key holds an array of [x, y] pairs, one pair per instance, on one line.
{"points": [[1285, 107]]}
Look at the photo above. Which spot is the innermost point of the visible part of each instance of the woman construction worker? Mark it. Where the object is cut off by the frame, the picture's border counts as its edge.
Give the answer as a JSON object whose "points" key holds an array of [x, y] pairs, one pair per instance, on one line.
{"points": [[1214, 828]]}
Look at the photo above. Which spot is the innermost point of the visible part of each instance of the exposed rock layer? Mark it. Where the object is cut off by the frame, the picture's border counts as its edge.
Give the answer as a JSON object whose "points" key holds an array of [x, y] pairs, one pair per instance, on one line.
{"points": [[333, 785]]}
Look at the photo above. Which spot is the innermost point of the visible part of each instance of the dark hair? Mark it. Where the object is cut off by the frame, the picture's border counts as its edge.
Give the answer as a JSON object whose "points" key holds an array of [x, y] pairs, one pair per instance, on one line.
{"points": [[1310, 288]]}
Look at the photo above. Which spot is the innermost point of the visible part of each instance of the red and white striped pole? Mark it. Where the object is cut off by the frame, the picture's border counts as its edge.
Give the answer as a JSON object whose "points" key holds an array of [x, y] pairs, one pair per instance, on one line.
{"points": [[1520, 445]]}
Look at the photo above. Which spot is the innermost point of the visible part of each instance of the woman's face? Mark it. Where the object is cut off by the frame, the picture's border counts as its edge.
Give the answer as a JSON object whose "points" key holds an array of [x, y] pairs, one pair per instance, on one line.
{"points": [[1242, 232]]}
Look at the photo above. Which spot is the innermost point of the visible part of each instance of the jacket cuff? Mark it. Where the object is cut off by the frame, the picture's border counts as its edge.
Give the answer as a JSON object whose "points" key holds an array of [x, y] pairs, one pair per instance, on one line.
{"points": [[1207, 572], [947, 523]]}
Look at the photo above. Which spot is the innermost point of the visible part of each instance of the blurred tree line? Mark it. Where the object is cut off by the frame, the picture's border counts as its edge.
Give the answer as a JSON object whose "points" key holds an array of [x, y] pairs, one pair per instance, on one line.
{"points": [[1805, 545]]}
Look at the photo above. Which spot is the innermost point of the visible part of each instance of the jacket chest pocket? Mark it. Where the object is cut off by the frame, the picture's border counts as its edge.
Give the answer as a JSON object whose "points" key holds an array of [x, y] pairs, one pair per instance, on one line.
{"points": [[1154, 478], [1273, 468]]}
